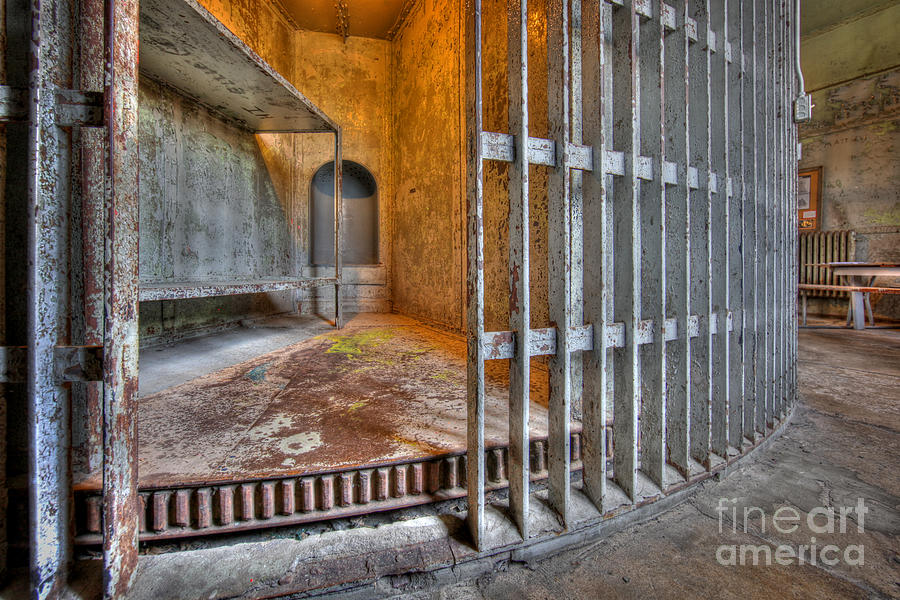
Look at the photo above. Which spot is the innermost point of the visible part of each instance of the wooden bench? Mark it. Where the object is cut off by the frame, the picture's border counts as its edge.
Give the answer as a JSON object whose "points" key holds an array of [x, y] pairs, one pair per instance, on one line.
{"points": [[859, 300]]}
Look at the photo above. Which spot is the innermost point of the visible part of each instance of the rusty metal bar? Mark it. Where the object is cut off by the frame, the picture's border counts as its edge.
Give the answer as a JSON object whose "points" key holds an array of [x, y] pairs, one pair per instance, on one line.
{"points": [[519, 267], [475, 472], [700, 201], [598, 253], [49, 153], [120, 336], [719, 224], [652, 224], [87, 400], [678, 248], [627, 234], [559, 256]]}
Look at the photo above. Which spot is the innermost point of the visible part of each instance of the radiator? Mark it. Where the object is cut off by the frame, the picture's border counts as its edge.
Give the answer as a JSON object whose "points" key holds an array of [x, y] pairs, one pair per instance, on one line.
{"points": [[817, 247]]}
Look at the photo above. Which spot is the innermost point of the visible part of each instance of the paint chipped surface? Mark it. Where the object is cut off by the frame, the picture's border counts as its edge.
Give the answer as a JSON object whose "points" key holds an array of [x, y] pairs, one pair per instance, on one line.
{"points": [[386, 388]]}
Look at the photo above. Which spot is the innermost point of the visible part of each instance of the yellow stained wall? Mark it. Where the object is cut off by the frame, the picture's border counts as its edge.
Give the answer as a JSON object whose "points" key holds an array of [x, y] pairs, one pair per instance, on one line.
{"points": [[429, 277], [350, 80], [429, 209]]}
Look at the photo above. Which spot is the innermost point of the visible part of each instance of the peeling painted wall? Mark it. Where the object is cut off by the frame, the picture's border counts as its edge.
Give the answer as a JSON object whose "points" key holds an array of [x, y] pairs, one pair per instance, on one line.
{"points": [[429, 210], [855, 138], [429, 226], [215, 205], [253, 219]]}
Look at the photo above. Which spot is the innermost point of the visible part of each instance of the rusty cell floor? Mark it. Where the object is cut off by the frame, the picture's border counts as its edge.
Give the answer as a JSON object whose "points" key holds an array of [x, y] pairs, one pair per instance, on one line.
{"points": [[384, 389]]}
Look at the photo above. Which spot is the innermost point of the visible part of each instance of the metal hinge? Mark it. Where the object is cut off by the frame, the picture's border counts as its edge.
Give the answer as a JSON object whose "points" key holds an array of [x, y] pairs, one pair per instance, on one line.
{"points": [[71, 363], [77, 108]]}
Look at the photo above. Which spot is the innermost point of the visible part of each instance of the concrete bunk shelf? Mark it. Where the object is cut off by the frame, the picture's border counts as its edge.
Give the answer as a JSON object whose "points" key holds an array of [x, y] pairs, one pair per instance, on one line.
{"points": [[184, 47]]}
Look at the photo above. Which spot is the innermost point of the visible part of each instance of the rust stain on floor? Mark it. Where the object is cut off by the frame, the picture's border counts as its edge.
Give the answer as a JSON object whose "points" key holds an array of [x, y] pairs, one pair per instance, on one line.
{"points": [[385, 388]]}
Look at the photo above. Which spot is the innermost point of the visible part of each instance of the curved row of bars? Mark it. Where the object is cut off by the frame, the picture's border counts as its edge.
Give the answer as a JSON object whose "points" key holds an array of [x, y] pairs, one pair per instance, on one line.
{"points": [[671, 158]]}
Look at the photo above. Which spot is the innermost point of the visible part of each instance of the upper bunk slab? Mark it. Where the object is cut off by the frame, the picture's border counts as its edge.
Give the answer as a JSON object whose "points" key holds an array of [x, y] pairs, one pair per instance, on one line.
{"points": [[184, 46]]}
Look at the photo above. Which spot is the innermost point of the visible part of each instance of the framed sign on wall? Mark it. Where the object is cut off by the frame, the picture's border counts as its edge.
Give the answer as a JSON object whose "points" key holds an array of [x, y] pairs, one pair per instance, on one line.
{"points": [[809, 196]]}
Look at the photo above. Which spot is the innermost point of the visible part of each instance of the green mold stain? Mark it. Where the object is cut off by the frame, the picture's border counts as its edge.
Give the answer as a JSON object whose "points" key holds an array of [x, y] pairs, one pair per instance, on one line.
{"points": [[259, 373], [356, 405], [357, 344], [443, 376]]}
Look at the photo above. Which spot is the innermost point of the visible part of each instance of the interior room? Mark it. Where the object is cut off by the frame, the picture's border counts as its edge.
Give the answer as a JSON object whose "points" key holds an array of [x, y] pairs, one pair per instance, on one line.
{"points": [[448, 298], [246, 383]]}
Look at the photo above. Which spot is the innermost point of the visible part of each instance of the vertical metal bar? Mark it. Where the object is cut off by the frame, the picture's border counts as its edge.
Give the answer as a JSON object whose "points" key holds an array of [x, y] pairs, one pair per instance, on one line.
{"points": [[49, 150], [777, 205], [93, 196], [559, 256], [719, 227], [338, 225], [737, 237], [120, 353], [701, 199], [762, 348], [653, 257], [519, 267], [475, 464], [576, 205], [627, 236], [4, 167], [678, 242], [598, 251], [770, 217]]}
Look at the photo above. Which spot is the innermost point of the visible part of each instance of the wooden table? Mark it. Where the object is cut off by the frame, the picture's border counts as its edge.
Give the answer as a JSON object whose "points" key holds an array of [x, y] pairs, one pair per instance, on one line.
{"points": [[859, 274]]}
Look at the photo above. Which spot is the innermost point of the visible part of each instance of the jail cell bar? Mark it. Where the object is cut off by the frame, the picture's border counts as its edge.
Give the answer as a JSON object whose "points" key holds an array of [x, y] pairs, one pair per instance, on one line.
{"points": [[677, 117]]}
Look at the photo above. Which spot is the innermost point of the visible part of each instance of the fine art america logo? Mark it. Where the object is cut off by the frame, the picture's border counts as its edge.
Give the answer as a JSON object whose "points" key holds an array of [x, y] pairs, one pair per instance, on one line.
{"points": [[787, 520]]}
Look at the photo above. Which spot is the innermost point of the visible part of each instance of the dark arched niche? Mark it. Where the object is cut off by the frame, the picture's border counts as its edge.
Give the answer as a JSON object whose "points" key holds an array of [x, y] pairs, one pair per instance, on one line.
{"points": [[360, 216]]}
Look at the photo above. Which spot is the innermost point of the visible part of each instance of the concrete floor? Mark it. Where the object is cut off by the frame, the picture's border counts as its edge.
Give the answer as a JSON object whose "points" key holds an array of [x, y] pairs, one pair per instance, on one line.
{"points": [[243, 404], [842, 444]]}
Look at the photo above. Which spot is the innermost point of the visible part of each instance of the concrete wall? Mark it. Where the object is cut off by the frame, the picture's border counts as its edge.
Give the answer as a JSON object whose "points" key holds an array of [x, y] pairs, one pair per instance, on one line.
{"points": [[853, 71], [429, 227], [351, 81], [429, 211]]}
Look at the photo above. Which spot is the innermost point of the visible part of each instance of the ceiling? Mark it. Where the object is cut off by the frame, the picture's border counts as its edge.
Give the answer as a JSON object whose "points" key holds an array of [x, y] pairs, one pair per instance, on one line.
{"points": [[365, 18], [817, 16], [381, 18]]}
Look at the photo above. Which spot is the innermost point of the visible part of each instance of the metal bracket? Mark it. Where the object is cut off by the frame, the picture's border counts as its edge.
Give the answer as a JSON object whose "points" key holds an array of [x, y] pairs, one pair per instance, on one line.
{"points": [[77, 108], [78, 363], [72, 363], [13, 104]]}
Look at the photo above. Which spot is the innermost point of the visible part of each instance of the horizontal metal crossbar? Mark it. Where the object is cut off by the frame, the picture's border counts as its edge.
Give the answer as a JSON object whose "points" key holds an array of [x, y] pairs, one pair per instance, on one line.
{"points": [[502, 147], [499, 345], [72, 363], [13, 104]]}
